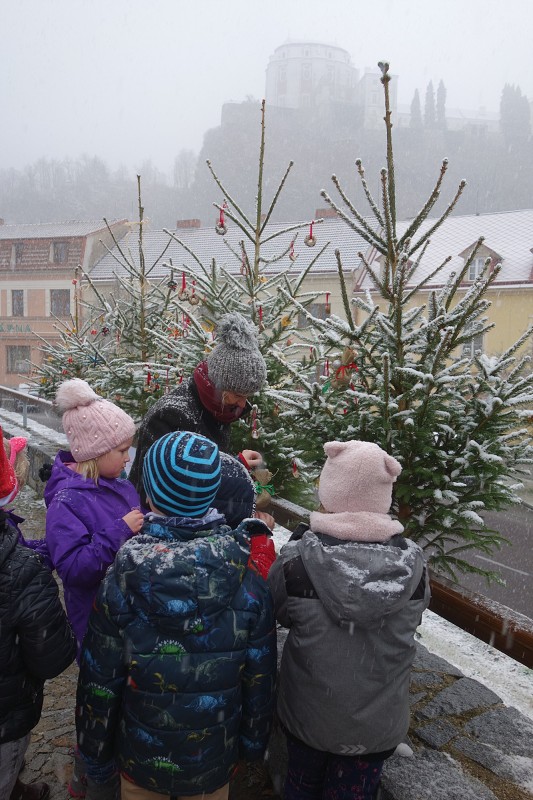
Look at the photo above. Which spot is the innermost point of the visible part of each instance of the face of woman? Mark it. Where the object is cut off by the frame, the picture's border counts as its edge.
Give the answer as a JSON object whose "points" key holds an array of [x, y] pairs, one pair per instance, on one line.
{"points": [[234, 400]]}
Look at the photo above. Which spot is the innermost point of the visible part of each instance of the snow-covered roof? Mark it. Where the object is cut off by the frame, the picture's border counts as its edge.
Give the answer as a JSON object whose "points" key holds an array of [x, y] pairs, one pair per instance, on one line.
{"points": [[53, 230], [207, 244], [509, 234]]}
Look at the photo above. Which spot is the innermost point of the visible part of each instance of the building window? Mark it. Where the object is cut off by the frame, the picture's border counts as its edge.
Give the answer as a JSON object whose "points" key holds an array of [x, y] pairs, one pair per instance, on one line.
{"points": [[18, 359], [59, 302], [318, 310], [17, 253], [17, 302], [60, 252], [306, 72], [476, 268], [473, 346]]}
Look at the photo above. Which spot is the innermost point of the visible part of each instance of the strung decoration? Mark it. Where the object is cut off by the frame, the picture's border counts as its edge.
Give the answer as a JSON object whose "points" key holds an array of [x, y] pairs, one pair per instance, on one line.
{"points": [[94, 331], [194, 299], [148, 376], [74, 281], [295, 472], [105, 330], [183, 294], [172, 285], [292, 254], [263, 488], [310, 240], [255, 433], [260, 312], [327, 307], [326, 368], [220, 227], [343, 373]]}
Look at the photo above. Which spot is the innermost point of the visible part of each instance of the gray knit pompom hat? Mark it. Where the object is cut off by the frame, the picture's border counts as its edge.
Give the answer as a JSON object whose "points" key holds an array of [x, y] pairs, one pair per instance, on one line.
{"points": [[236, 364]]}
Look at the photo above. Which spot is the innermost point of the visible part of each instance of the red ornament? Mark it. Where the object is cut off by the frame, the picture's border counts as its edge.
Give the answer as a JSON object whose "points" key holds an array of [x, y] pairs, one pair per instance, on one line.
{"points": [[292, 254], [295, 472], [310, 240], [94, 331], [220, 227]]}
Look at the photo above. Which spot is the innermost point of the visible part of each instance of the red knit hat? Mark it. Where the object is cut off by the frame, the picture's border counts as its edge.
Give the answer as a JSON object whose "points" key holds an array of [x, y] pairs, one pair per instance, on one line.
{"points": [[8, 481]]}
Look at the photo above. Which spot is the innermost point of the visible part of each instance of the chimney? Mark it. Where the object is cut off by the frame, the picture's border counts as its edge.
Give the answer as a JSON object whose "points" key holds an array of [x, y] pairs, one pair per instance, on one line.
{"points": [[325, 213], [187, 223]]}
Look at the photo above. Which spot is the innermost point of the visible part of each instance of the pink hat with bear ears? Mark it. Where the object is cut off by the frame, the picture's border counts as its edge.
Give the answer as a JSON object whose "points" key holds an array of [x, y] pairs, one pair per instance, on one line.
{"points": [[355, 489]]}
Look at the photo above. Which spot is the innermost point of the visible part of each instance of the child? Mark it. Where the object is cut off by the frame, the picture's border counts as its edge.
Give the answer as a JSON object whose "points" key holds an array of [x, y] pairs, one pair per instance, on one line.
{"points": [[90, 510], [36, 644], [178, 666], [15, 450], [351, 591]]}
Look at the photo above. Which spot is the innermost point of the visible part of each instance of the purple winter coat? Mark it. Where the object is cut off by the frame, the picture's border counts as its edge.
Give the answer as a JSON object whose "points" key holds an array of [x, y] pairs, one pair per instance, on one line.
{"points": [[84, 530]]}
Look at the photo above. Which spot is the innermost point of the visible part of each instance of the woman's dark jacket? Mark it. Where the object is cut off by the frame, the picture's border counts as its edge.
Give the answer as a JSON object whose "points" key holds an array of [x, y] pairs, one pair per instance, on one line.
{"points": [[179, 410], [178, 666], [36, 641]]}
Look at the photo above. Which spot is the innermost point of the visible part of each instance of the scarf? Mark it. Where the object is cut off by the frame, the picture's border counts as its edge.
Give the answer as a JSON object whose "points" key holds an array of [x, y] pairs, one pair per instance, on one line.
{"points": [[356, 526], [211, 397]]}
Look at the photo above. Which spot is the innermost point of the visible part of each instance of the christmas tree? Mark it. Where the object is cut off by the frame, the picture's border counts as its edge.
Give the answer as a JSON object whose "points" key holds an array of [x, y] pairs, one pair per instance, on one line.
{"points": [[145, 337], [408, 378]]}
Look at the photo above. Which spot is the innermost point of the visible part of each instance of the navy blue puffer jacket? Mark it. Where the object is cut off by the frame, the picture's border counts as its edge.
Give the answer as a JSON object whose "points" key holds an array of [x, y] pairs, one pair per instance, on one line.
{"points": [[178, 665]]}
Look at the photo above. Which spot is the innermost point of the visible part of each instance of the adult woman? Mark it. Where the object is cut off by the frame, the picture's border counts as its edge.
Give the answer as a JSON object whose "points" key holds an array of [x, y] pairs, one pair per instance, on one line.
{"points": [[215, 396]]}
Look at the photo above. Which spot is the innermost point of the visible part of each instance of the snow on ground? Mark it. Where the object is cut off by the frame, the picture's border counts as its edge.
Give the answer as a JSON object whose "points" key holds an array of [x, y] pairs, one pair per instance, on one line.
{"points": [[511, 681]]}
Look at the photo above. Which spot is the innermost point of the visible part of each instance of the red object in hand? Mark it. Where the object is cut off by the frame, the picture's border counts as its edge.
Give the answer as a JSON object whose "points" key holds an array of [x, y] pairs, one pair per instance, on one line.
{"points": [[262, 554]]}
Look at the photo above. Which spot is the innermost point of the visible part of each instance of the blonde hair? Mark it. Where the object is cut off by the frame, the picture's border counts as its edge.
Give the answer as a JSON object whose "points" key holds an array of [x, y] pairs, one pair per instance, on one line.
{"points": [[21, 465], [89, 469]]}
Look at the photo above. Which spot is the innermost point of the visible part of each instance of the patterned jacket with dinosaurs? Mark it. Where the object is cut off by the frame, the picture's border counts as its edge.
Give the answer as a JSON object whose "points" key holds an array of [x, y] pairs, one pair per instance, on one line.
{"points": [[178, 666]]}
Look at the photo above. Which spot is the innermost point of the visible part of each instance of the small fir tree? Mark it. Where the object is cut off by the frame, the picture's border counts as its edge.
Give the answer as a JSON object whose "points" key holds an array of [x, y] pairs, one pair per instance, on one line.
{"points": [[414, 384], [138, 343]]}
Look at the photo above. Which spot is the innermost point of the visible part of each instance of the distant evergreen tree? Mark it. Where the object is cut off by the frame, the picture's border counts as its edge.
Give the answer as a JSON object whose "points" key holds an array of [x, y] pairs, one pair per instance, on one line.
{"points": [[415, 121], [441, 107], [515, 117], [429, 107]]}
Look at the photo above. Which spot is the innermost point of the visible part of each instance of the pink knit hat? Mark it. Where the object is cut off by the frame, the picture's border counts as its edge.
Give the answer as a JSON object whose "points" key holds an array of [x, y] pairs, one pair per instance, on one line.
{"points": [[357, 476], [94, 426]]}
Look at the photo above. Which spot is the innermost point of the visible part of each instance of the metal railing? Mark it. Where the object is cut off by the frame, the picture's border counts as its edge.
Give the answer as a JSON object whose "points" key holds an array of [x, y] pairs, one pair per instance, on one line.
{"points": [[30, 407]]}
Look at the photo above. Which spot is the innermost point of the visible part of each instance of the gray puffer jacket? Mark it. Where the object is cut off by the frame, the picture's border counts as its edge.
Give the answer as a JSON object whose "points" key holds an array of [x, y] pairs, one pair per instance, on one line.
{"points": [[352, 609]]}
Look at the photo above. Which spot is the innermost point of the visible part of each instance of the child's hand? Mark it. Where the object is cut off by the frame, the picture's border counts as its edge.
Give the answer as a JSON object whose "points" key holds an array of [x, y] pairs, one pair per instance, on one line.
{"points": [[134, 520], [268, 519]]}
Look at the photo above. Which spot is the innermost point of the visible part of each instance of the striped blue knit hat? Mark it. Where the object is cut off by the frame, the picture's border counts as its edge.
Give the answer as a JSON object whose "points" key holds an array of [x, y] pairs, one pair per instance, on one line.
{"points": [[181, 474]]}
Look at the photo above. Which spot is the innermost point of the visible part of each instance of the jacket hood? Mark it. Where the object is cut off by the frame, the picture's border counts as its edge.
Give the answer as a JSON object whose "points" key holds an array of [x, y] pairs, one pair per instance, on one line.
{"points": [[181, 576], [63, 477], [360, 582]]}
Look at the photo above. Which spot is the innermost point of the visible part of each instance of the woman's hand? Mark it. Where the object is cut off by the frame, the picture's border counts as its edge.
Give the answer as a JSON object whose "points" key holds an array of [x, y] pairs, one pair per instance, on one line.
{"points": [[252, 458]]}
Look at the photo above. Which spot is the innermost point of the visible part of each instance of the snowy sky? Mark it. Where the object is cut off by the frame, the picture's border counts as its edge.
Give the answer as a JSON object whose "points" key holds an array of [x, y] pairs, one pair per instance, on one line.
{"points": [[130, 80]]}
